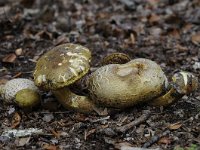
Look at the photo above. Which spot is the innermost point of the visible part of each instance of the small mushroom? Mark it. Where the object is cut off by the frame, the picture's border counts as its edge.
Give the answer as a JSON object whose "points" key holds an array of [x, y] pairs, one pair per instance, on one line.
{"points": [[123, 85], [63, 66], [20, 91], [115, 58], [183, 83]]}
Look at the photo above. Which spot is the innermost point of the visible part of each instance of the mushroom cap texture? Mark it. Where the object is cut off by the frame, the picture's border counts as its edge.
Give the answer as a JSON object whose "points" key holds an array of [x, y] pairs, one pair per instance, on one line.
{"points": [[27, 98], [123, 85], [10, 89], [62, 66]]}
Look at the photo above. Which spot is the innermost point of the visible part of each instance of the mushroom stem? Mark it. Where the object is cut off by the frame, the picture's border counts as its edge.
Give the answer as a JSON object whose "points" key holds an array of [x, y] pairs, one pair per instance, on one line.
{"points": [[183, 83], [171, 96], [73, 101]]}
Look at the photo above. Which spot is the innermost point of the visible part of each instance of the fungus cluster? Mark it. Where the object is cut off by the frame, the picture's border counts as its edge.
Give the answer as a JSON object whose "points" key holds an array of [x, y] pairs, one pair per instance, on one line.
{"points": [[119, 83]]}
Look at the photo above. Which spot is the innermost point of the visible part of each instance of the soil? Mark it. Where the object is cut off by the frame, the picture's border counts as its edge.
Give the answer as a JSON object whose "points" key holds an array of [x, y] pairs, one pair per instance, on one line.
{"points": [[166, 31]]}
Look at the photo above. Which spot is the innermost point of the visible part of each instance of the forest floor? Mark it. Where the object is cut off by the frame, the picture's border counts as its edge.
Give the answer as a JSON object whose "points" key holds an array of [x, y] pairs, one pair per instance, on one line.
{"points": [[165, 31]]}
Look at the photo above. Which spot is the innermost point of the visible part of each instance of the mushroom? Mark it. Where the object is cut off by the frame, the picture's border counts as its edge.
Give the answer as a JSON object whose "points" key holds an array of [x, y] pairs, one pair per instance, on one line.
{"points": [[124, 85], [183, 83], [115, 58], [63, 66], [21, 91]]}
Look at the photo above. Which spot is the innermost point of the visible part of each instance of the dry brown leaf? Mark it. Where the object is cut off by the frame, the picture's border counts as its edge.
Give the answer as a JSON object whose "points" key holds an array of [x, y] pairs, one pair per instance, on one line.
{"points": [[174, 33], [50, 147], [89, 133], [154, 19], [132, 37], [175, 126], [18, 51], [10, 58], [187, 27], [3, 81], [80, 117], [15, 120], [181, 48], [165, 140], [56, 134], [196, 38]]}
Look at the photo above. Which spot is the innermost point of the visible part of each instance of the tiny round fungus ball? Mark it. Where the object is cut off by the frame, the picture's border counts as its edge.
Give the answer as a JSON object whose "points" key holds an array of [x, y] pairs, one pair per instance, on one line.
{"points": [[11, 91], [62, 66], [123, 85]]}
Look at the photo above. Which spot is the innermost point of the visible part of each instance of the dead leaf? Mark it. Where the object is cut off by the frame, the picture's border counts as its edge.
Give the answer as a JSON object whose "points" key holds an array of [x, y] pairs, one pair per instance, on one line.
{"points": [[26, 3], [132, 37], [50, 147], [3, 81], [10, 58], [196, 38], [174, 33], [89, 133], [80, 117], [175, 126], [22, 141], [56, 134], [181, 48], [15, 120], [18, 51], [165, 140], [187, 27], [44, 34], [153, 19]]}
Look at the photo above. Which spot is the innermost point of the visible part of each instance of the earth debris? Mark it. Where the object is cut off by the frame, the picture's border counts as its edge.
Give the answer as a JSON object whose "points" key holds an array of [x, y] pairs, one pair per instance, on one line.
{"points": [[166, 32]]}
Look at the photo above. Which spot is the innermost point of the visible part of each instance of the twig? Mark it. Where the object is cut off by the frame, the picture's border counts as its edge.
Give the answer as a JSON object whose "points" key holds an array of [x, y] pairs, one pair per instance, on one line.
{"points": [[155, 139], [56, 112], [138, 121], [100, 119]]}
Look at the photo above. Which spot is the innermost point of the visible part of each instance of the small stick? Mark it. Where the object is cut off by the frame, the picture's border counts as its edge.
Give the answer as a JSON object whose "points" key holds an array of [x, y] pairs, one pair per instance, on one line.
{"points": [[155, 139], [133, 123]]}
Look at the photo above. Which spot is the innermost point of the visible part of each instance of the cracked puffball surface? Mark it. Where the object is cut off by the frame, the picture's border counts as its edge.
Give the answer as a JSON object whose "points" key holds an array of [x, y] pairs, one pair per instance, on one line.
{"points": [[123, 85], [62, 66]]}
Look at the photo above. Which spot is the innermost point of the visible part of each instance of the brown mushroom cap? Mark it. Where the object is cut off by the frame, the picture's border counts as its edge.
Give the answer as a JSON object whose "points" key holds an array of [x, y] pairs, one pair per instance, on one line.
{"points": [[124, 85], [62, 66]]}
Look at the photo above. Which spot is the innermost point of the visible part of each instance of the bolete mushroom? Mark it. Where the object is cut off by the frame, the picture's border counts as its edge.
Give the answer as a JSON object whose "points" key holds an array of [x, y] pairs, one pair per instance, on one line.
{"points": [[124, 85], [60, 67], [183, 83], [20, 91]]}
